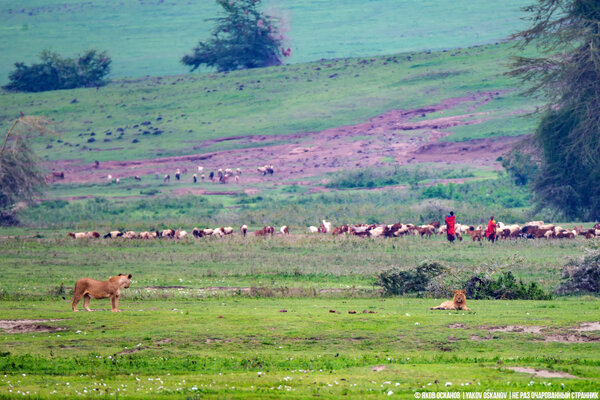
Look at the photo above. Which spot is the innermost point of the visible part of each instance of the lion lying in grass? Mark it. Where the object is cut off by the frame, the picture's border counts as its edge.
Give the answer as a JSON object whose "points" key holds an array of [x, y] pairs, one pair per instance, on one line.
{"points": [[88, 288], [458, 303]]}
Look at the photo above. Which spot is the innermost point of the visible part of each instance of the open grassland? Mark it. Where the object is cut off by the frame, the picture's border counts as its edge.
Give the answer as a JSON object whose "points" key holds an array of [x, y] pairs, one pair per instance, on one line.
{"points": [[39, 267], [190, 114], [249, 348], [147, 206], [149, 37]]}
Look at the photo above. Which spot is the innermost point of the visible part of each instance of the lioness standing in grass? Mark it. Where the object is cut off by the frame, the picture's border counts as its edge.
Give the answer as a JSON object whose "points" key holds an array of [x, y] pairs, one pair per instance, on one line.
{"points": [[458, 303], [89, 288]]}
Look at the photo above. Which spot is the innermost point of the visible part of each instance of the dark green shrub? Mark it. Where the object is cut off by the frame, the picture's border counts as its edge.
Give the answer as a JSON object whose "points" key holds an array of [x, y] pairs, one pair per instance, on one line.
{"points": [[55, 72], [504, 287], [395, 281]]}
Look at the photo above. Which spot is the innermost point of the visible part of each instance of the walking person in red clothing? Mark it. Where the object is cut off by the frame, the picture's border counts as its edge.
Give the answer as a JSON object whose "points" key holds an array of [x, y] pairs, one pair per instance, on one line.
{"points": [[450, 222], [490, 232]]}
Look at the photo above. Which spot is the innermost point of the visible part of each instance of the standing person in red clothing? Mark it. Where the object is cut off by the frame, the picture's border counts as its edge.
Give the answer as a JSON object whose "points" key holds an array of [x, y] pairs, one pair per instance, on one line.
{"points": [[450, 221], [490, 232]]}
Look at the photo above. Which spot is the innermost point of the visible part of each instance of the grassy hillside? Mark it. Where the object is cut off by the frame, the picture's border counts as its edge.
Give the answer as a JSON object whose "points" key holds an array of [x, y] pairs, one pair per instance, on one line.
{"points": [[149, 37], [191, 114], [176, 115]]}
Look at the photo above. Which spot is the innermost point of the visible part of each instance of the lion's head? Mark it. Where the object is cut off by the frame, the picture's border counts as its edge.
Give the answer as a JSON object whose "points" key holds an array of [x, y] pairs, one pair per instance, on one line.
{"points": [[460, 297], [124, 280]]}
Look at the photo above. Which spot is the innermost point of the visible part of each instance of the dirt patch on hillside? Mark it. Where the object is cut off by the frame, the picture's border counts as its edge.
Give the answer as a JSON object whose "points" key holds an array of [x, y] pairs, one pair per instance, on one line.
{"points": [[542, 373], [570, 338], [29, 325], [457, 326], [394, 134], [477, 338], [514, 329], [588, 327]]}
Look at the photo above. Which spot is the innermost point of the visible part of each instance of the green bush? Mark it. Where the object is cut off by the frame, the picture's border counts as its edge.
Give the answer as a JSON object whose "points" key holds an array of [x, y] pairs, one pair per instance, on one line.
{"points": [[491, 192], [504, 287], [55, 72], [379, 177], [398, 282]]}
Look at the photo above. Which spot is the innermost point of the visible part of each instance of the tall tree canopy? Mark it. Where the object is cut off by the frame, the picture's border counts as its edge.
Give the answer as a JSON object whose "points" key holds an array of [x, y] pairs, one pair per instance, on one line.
{"points": [[243, 37], [567, 75]]}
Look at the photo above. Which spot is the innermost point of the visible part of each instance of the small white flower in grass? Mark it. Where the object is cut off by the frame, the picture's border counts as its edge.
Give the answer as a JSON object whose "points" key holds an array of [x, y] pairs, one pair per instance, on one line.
{"points": [[407, 314], [387, 383], [448, 384], [24, 374], [389, 393], [194, 388], [397, 383], [287, 378], [416, 323], [78, 332]]}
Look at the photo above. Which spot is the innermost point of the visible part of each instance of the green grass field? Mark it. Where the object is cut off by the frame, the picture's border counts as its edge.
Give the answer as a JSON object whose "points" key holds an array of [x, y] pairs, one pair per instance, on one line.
{"points": [[203, 319], [175, 115], [149, 38], [302, 261], [248, 348]]}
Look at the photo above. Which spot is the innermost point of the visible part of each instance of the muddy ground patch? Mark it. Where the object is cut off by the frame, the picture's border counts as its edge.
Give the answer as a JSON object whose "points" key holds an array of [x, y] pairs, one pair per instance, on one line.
{"points": [[29, 325]]}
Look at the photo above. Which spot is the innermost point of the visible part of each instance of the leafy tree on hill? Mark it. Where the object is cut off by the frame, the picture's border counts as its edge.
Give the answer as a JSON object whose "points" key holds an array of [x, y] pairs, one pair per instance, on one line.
{"points": [[567, 75], [55, 72], [244, 37]]}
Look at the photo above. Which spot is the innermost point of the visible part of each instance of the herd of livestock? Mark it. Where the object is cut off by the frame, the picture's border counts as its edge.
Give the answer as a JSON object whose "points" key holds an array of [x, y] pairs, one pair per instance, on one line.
{"points": [[530, 230], [221, 175]]}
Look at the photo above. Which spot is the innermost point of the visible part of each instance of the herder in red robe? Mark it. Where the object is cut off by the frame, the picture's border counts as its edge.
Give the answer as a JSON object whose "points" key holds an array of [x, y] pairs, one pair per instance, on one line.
{"points": [[450, 221], [490, 232]]}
